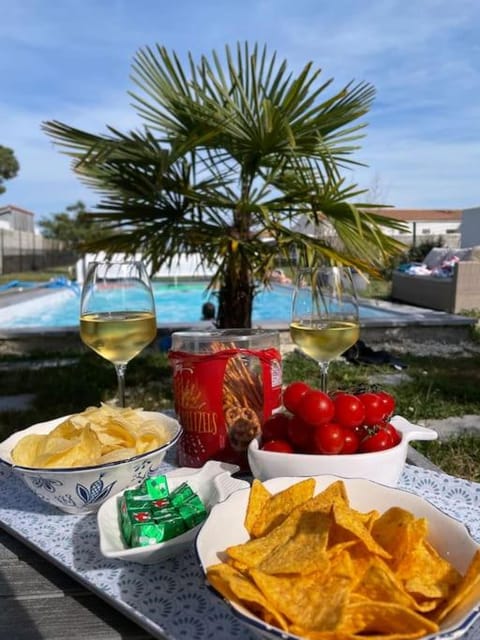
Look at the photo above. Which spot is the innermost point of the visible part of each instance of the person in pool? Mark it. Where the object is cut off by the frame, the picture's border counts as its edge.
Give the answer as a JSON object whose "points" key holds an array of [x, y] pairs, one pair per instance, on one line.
{"points": [[208, 314]]}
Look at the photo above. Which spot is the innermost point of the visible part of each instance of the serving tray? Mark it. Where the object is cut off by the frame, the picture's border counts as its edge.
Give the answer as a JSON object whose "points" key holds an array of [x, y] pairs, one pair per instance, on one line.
{"points": [[170, 599]]}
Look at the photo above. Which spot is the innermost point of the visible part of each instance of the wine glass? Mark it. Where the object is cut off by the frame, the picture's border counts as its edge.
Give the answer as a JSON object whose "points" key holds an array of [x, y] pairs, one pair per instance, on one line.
{"points": [[324, 314], [117, 313]]}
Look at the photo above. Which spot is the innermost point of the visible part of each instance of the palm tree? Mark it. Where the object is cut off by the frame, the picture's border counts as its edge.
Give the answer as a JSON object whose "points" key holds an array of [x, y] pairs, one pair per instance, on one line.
{"points": [[231, 154]]}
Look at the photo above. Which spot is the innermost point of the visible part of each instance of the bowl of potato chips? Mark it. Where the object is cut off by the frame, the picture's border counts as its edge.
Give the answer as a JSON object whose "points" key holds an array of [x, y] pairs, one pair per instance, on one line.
{"points": [[330, 558], [76, 462]]}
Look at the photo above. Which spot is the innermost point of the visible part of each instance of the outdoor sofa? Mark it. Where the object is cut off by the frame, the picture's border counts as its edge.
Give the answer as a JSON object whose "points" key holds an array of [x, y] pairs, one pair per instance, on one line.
{"points": [[446, 280]]}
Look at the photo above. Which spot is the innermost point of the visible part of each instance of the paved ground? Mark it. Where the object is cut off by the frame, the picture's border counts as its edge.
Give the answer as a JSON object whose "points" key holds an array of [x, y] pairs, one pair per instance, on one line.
{"points": [[453, 426]]}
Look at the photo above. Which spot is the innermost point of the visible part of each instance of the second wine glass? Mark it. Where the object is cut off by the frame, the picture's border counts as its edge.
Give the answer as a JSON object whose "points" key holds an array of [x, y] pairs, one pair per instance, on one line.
{"points": [[117, 313], [324, 314]]}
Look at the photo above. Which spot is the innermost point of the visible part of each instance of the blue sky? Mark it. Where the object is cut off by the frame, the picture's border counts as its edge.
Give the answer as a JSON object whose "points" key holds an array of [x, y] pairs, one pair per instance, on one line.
{"points": [[70, 60]]}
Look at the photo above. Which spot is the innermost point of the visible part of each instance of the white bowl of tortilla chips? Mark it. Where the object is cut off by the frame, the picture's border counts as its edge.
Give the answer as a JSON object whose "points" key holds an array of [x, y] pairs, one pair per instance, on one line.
{"points": [[327, 558], [76, 462]]}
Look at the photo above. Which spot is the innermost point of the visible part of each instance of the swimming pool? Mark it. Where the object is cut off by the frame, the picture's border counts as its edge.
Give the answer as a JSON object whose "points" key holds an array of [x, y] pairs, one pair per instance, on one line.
{"points": [[175, 303]]}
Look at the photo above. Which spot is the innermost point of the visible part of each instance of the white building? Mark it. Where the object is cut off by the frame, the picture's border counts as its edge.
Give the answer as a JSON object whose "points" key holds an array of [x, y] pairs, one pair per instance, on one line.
{"points": [[16, 219], [470, 227], [420, 225], [426, 222]]}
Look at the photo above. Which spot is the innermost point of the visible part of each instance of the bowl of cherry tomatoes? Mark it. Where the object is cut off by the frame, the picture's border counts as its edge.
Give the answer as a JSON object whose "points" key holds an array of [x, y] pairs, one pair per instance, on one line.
{"points": [[350, 435]]}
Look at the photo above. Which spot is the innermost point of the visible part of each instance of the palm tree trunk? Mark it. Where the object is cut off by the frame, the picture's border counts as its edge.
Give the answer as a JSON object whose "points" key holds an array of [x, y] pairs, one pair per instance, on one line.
{"points": [[235, 300]]}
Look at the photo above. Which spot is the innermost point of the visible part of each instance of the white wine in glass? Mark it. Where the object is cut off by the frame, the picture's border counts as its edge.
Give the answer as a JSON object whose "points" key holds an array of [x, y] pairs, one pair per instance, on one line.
{"points": [[117, 314], [324, 314]]}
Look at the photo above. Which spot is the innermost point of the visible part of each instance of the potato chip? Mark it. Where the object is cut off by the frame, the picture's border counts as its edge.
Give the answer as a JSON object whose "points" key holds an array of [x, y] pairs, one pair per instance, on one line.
{"points": [[114, 435], [25, 451], [98, 435]]}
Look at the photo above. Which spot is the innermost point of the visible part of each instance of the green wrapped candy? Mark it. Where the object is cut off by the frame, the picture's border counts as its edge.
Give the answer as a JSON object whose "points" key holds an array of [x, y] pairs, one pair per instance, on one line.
{"points": [[145, 534], [159, 510], [136, 496], [132, 501], [181, 494], [129, 503], [150, 513], [171, 523], [163, 503], [130, 520], [193, 511], [156, 487]]}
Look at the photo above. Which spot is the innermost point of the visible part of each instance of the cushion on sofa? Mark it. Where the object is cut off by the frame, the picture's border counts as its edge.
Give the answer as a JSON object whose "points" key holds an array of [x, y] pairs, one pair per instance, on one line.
{"points": [[463, 255], [435, 257]]}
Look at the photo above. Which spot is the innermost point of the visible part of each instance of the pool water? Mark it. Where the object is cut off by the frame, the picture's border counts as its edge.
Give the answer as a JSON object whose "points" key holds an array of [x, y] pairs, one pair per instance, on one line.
{"points": [[175, 303]]}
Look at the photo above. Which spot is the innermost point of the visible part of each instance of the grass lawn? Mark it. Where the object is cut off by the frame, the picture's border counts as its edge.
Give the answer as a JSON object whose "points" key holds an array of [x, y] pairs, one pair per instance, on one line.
{"points": [[436, 387], [36, 276]]}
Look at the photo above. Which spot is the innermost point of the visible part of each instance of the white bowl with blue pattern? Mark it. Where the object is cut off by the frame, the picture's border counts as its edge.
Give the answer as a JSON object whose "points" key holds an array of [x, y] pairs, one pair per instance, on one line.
{"points": [[81, 490]]}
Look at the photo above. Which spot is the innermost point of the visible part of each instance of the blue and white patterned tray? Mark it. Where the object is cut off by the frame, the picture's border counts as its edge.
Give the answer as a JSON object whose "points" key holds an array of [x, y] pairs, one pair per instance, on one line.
{"points": [[170, 600]]}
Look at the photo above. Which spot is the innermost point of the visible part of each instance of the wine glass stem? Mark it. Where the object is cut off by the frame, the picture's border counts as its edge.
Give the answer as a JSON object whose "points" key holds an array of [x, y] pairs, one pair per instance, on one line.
{"points": [[120, 369], [323, 376]]}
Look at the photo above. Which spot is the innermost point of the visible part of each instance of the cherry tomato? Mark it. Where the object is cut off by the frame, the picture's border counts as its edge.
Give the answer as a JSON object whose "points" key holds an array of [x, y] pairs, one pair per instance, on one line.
{"points": [[275, 427], [292, 394], [388, 403], [299, 434], [280, 446], [394, 434], [378, 440], [351, 441], [349, 410], [328, 438], [374, 411], [315, 407], [361, 431]]}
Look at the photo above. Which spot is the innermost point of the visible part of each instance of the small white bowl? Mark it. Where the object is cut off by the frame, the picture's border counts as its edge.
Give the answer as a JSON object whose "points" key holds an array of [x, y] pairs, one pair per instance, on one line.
{"points": [[213, 483], [381, 466], [224, 527], [80, 490]]}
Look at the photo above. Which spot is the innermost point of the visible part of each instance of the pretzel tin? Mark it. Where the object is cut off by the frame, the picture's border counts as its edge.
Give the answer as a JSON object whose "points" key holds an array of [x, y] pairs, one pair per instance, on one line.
{"points": [[226, 383]]}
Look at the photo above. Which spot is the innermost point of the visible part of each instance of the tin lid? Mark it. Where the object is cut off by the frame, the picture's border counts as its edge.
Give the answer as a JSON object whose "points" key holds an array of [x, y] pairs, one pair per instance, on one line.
{"points": [[195, 341]]}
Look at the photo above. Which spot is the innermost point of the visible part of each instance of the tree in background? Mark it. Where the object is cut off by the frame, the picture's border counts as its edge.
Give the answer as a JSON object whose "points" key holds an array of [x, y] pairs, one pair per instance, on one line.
{"points": [[74, 227], [232, 153], [9, 166]]}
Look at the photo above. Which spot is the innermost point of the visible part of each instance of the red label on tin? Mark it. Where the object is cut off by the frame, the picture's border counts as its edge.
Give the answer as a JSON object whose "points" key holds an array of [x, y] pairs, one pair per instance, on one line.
{"points": [[221, 400]]}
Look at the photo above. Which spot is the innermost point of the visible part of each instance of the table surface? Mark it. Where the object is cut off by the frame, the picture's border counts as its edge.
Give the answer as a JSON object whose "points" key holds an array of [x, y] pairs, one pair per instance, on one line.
{"points": [[41, 601]]}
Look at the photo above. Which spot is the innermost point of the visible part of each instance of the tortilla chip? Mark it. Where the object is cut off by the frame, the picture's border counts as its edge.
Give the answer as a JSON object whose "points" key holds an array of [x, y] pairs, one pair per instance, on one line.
{"points": [[257, 499], [279, 506]]}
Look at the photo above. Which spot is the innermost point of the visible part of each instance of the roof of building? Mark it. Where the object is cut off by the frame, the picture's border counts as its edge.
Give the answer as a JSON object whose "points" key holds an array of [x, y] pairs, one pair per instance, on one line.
{"points": [[424, 215], [12, 207]]}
